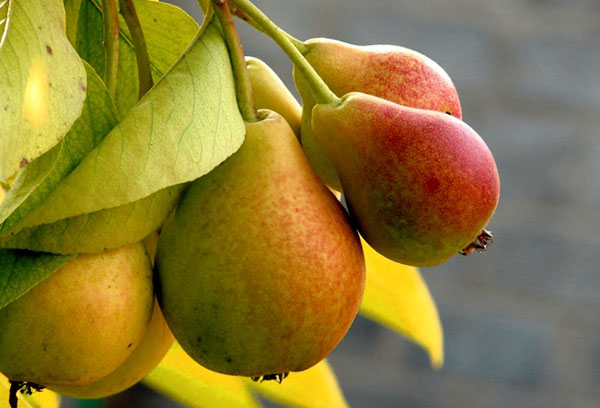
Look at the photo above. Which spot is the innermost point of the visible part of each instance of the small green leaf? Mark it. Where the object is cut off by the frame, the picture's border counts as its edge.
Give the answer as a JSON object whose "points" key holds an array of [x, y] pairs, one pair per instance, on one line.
{"points": [[316, 387], [38, 179], [42, 81], [100, 230], [156, 19], [181, 378], [22, 270], [183, 128]]}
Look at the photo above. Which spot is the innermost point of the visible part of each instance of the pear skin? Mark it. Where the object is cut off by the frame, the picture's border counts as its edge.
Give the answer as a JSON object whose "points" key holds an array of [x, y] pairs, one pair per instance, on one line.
{"points": [[81, 323], [154, 345], [420, 184], [271, 93], [390, 72], [259, 270]]}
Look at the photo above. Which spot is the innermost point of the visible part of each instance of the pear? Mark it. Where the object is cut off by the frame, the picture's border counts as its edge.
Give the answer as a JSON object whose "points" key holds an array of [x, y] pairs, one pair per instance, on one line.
{"points": [[152, 348], [154, 345], [259, 270], [81, 323], [420, 184], [271, 93], [390, 72]]}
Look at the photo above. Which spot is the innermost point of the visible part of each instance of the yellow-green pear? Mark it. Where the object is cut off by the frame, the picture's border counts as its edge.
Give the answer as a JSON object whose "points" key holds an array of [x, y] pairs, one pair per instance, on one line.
{"points": [[260, 272], [81, 323], [143, 359], [271, 93]]}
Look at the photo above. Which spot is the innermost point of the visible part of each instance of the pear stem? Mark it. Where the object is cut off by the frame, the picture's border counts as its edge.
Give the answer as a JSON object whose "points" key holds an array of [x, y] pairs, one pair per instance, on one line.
{"points": [[319, 88], [110, 20], [139, 44], [244, 93]]}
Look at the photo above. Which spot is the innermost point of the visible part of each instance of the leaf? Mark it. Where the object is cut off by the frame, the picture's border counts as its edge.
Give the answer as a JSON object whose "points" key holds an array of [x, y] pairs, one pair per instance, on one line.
{"points": [[396, 296], [181, 378], [183, 128], [156, 19], [312, 388], [101, 230], [38, 179], [22, 270], [42, 82], [44, 399], [72, 12]]}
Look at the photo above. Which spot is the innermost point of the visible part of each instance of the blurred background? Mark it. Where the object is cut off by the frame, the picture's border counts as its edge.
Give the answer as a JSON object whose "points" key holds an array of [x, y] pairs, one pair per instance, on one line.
{"points": [[522, 321]]}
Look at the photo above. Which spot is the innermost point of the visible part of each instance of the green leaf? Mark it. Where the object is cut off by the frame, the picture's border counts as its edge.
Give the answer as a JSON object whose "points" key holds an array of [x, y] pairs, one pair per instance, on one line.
{"points": [[72, 12], [100, 230], [181, 378], [42, 82], [316, 387], [22, 270], [397, 297], [156, 19], [38, 179], [183, 128]]}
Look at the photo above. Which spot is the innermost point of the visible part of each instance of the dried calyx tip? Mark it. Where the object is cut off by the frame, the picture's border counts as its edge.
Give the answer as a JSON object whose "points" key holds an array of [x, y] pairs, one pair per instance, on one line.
{"points": [[271, 377], [25, 388], [479, 244]]}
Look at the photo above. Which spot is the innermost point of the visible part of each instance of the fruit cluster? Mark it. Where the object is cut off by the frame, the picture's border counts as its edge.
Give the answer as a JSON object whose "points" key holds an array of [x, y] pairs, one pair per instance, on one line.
{"points": [[259, 269]]}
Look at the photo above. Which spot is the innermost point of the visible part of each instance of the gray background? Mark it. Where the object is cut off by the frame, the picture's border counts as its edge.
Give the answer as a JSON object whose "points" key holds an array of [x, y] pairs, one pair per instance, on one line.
{"points": [[521, 322]]}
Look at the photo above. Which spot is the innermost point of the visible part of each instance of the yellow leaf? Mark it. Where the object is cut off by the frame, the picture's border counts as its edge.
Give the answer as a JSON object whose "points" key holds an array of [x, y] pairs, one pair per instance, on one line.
{"points": [[43, 399], [396, 296], [181, 378], [316, 387]]}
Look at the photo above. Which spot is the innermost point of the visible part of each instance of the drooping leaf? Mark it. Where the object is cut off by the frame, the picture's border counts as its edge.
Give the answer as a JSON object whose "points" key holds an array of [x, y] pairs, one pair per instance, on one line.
{"points": [[72, 12], [100, 230], [156, 19], [42, 81], [184, 380], [38, 179], [44, 399], [183, 128], [22, 270], [316, 387], [396, 296]]}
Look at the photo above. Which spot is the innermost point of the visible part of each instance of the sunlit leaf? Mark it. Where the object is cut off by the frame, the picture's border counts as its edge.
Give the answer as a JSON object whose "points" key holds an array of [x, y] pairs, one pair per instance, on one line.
{"points": [[38, 179], [183, 128], [181, 378], [316, 387], [100, 230], [42, 81], [156, 19], [396, 296]]}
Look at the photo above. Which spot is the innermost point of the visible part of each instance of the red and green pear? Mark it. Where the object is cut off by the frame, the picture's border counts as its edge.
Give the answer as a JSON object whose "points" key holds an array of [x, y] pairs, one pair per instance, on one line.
{"points": [[395, 73], [260, 272], [420, 184]]}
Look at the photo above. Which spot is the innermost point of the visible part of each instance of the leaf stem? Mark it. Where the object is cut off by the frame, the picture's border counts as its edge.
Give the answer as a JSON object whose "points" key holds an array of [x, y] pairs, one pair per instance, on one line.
{"points": [[139, 44], [110, 19], [240, 70], [319, 88]]}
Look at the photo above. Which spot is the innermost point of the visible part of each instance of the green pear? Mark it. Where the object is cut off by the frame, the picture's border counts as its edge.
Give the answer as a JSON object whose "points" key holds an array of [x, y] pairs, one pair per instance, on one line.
{"points": [[260, 272], [420, 184], [154, 345], [271, 93], [390, 72], [81, 323]]}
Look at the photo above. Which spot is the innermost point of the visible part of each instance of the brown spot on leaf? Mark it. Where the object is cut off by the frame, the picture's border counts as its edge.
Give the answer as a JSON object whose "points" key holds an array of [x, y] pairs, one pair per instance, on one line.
{"points": [[24, 162], [82, 85], [49, 49]]}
